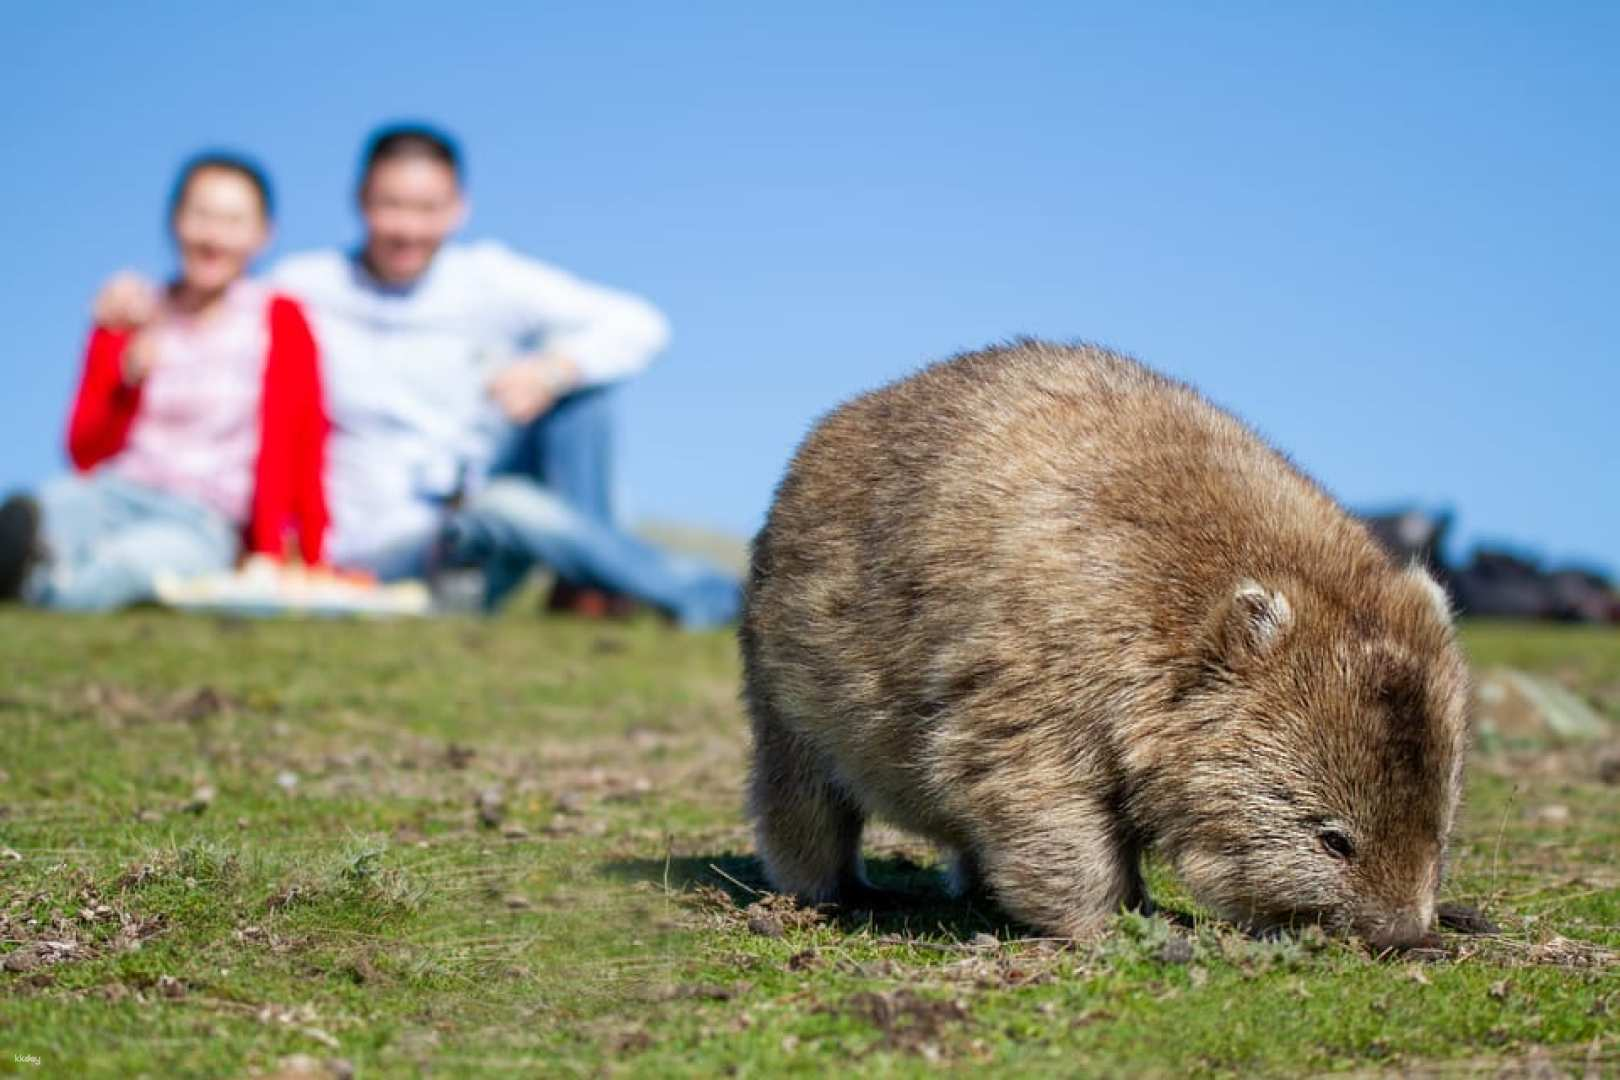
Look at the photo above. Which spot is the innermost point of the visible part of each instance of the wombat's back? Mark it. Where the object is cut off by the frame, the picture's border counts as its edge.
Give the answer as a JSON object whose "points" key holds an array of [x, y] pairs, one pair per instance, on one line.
{"points": [[1023, 497]]}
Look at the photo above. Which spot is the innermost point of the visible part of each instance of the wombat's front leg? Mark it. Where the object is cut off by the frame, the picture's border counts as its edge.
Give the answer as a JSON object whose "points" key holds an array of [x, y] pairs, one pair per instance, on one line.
{"points": [[807, 826], [1063, 869]]}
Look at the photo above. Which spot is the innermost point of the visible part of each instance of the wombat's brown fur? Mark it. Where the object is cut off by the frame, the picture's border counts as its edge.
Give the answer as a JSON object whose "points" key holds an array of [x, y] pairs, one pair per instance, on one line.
{"points": [[1049, 608]]}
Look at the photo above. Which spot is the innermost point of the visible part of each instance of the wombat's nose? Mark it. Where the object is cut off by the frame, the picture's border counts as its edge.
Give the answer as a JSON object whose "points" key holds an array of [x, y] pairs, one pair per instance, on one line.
{"points": [[1399, 931]]}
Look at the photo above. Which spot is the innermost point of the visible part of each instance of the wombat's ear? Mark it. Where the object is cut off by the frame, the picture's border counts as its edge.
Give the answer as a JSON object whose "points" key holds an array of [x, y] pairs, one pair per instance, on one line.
{"points": [[1254, 619], [1435, 591]]}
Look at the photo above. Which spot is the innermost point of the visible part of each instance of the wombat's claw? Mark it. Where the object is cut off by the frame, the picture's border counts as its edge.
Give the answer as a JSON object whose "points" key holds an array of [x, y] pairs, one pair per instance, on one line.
{"points": [[1464, 919]]}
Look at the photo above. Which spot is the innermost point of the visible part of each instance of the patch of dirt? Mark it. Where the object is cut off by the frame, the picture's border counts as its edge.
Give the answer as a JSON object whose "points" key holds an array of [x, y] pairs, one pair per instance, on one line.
{"points": [[765, 925], [91, 926], [1608, 763], [1503, 950], [1600, 1057], [1007, 968], [307, 1067], [630, 1040], [909, 1022], [119, 705], [1559, 951], [708, 991], [572, 779], [772, 915]]}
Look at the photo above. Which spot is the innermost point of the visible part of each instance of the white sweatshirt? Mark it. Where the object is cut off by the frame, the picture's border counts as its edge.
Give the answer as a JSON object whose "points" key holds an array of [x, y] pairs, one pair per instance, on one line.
{"points": [[406, 371]]}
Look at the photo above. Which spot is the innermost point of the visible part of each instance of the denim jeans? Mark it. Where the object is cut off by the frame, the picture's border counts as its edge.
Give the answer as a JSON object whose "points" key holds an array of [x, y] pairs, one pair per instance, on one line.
{"points": [[569, 450], [514, 522], [108, 540], [553, 501]]}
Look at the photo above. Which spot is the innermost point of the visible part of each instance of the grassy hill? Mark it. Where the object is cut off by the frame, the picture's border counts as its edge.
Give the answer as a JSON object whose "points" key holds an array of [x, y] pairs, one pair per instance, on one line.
{"points": [[516, 847], [722, 549]]}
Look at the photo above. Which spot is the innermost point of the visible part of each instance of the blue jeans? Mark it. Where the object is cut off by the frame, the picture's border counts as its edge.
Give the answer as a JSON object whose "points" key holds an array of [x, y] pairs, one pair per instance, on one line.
{"points": [[569, 450], [108, 541], [514, 523], [552, 501]]}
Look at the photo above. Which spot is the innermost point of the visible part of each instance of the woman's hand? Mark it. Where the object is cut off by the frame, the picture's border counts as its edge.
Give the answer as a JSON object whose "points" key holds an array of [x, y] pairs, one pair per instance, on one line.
{"points": [[140, 357], [130, 302], [126, 302]]}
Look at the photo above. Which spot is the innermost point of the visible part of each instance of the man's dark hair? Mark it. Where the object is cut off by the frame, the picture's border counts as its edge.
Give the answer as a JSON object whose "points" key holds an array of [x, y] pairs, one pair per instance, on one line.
{"points": [[396, 141], [223, 161]]}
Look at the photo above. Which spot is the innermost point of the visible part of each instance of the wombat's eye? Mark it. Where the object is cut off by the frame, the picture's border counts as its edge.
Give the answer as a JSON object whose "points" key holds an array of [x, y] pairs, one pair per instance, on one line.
{"points": [[1336, 843]]}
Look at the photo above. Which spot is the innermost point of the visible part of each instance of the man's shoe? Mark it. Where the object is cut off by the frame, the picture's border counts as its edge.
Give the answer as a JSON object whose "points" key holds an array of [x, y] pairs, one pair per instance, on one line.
{"points": [[588, 603], [20, 548]]}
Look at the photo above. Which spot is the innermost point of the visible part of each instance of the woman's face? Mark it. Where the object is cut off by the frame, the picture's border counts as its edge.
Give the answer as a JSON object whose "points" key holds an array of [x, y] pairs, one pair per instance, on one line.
{"points": [[220, 227]]}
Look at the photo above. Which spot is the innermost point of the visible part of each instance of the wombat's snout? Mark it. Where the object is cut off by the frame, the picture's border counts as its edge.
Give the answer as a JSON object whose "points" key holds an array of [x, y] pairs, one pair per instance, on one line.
{"points": [[1399, 929]]}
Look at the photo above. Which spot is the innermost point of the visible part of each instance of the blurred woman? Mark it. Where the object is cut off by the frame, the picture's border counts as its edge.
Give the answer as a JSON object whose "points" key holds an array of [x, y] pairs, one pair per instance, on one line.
{"points": [[196, 436]]}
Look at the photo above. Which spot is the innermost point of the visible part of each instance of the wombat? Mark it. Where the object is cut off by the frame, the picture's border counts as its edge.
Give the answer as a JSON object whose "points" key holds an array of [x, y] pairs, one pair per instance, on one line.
{"points": [[1049, 609]]}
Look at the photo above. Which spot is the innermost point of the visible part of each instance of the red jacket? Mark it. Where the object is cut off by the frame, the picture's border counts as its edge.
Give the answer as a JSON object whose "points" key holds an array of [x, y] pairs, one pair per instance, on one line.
{"points": [[288, 484]]}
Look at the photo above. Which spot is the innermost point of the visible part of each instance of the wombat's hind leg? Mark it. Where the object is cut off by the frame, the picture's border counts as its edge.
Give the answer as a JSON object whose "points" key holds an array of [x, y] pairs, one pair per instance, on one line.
{"points": [[807, 826]]}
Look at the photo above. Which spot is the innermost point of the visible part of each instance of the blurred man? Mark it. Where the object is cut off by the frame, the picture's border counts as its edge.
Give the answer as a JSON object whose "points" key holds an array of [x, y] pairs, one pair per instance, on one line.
{"points": [[470, 394]]}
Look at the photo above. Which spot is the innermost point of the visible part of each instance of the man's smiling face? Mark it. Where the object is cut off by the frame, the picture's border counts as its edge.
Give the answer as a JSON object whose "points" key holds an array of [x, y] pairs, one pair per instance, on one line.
{"points": [[411, 205]]}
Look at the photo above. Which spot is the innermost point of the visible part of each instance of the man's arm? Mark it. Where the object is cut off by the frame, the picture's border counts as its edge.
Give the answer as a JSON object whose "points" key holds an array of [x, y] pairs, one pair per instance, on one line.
{"points": [[602, 334]]}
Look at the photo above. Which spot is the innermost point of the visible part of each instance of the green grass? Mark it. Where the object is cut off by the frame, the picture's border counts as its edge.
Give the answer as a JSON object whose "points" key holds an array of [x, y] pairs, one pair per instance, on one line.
{"points": [[223, 844]]}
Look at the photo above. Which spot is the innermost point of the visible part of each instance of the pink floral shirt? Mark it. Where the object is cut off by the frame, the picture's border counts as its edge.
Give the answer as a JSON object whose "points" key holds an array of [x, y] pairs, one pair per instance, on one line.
{"points": [[197, 432]]}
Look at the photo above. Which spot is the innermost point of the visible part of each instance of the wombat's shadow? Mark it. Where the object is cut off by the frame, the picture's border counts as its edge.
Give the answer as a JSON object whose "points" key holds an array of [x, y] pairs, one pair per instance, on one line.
{"points": [[915, 898]]}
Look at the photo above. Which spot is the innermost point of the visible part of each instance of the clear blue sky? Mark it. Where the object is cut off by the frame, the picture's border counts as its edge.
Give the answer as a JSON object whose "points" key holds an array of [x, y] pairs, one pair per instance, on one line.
{"points": [[1386, 234]]}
